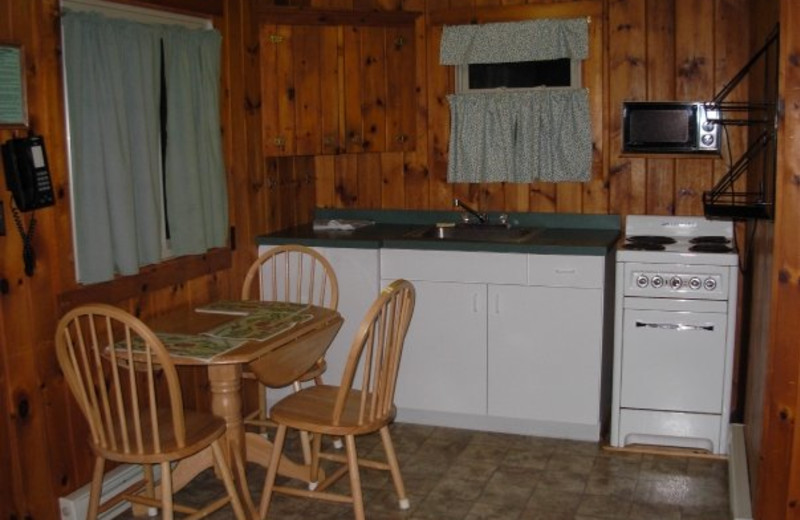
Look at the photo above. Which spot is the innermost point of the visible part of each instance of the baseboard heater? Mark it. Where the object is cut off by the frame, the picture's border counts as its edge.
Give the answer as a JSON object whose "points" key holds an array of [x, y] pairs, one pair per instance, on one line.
{"points": [[738, 477], [75, 505]]}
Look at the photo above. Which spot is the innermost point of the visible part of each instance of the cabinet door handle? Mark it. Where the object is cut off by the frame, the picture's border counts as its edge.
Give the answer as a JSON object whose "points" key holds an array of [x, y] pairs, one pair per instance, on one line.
{"points": [[674, 326], [565, 271], [497, 304], [475, 303]]}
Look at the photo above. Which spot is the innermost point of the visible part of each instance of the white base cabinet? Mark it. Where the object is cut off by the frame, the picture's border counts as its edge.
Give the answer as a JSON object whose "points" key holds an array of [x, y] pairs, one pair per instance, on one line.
{"points": [[492, 347], [505, 342]]}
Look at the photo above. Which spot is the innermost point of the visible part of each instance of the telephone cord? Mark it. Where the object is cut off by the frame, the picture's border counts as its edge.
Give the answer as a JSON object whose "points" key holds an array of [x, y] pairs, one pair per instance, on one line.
{"points": [[28, 254]]}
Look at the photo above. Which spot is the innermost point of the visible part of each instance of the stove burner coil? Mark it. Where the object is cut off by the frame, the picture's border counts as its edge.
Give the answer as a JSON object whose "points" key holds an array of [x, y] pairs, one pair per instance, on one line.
{"points": [[643, 246], [710, 247], [715, 239], [650, 239]]}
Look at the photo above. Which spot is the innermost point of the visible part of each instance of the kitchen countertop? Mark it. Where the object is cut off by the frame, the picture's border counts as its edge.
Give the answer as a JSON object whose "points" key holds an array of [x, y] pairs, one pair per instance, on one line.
{"points": [[557, 233]]}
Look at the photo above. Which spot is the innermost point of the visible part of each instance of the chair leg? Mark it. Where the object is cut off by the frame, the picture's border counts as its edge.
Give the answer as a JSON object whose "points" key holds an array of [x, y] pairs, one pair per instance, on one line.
{"points": [[355, 478], [262, 407], [227, 479], [272, 471], [166, 491], [305, 439], [394, 467], [97, 488], [314, 465]]}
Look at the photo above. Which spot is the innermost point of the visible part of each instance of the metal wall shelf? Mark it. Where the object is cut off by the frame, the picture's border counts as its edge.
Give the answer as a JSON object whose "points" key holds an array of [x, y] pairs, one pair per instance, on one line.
{"points": [[723, 201]]}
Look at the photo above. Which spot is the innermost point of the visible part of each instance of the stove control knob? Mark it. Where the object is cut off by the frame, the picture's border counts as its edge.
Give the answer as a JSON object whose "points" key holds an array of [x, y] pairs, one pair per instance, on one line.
{"points": [[710, 284], [642, 281], [675, 282], [695, 283], [657, 282]]}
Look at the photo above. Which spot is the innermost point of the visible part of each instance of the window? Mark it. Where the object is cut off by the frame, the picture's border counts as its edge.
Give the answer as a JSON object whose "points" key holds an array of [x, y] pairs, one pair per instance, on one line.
{"points": [[562, 72], [146, 168]]}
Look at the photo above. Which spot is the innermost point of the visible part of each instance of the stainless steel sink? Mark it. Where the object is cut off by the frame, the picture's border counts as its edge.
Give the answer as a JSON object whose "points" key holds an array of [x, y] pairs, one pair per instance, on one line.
{"points": [[475, 233]]}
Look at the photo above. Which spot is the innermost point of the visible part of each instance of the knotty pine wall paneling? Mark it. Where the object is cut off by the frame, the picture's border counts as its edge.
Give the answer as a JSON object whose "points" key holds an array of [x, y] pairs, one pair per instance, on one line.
{"points": [[777, 493], [758, 288]]}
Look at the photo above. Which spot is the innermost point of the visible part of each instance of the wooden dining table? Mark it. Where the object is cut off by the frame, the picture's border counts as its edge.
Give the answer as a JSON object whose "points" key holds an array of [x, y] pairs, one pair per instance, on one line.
{"points": [[276, 340]]}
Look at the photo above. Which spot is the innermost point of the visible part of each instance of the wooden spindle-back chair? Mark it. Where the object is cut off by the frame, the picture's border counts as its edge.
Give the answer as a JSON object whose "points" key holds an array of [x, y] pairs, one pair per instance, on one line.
{"points": [[362, 403], [296, 274], [127, 388]]}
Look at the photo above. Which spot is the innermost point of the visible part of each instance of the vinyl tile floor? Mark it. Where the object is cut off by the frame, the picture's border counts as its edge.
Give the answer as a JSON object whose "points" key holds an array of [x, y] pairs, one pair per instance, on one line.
{"points": [[463, 474]]}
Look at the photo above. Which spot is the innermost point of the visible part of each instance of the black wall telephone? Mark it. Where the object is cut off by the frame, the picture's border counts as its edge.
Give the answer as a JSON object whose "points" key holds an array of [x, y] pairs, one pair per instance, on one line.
{"points": [[28, 180], [27, 175]]}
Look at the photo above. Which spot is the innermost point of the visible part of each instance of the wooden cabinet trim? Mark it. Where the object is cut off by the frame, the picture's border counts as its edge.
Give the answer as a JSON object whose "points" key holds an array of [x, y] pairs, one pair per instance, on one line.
{"points": [[468, 15], [300, 16]]}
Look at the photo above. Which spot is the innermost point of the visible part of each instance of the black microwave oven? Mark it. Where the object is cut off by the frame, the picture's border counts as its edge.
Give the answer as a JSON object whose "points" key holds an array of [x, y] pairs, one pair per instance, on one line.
{"points": [[670, 127]]}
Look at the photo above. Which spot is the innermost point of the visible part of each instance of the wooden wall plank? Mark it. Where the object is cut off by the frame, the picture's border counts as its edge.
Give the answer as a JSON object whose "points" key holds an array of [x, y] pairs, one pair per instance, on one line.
{"points": [[593, 73], [400, 99], [270, 91], [306, 46], [417, 186], [440, 83], [286, 94], [392, 188], [331, 92], [660, 85], [778, 480], [370, 179], [694, 55], [325, 183], [627, 73], [354, 127], [373, 75], [347, 181]]}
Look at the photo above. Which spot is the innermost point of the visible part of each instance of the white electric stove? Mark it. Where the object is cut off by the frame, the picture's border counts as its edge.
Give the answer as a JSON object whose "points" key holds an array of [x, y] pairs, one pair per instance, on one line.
{"points": [[675, 321]]}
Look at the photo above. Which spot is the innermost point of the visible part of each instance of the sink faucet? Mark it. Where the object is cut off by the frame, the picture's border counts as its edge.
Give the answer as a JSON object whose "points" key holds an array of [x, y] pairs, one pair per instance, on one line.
{"points": [[482, 217]]}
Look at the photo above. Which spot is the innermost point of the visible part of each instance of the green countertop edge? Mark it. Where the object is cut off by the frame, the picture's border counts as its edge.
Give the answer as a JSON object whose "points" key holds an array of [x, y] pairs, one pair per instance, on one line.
{"points": [[422, 217], [565, 234]]}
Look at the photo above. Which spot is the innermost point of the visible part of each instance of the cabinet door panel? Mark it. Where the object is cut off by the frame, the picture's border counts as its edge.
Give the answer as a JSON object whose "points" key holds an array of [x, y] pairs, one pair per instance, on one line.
{"points": [[544, 353], [443, 367]]}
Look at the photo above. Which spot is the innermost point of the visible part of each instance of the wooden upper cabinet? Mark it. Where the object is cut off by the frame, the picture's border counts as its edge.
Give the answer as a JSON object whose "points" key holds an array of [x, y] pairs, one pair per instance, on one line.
{"points": [[332, 88]]}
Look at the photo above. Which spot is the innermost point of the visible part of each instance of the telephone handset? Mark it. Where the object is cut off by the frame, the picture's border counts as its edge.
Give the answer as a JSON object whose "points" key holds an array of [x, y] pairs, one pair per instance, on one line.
{"points": [[27, 175]]}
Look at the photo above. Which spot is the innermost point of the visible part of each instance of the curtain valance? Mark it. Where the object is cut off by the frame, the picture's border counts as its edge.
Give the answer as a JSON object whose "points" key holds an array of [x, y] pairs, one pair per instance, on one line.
{"points": [[534, 40], [539, 135]]}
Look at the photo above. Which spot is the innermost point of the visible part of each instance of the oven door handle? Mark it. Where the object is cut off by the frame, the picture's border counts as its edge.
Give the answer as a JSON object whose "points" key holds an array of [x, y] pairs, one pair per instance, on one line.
{"points": [[674, 326]]}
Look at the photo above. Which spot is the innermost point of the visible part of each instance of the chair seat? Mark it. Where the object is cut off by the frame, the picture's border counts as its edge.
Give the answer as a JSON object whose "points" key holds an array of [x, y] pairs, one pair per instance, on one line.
{"points": [[311, 409], [201, 429]]}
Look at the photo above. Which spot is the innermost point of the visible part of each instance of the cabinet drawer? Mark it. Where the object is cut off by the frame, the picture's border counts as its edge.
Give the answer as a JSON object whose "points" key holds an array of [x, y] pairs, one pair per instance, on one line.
{"points": [[454, 266], [566, 271]]}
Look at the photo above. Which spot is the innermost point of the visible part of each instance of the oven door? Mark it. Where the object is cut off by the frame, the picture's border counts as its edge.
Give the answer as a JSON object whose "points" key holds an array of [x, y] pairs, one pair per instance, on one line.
{"points": [[673, 360]]}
